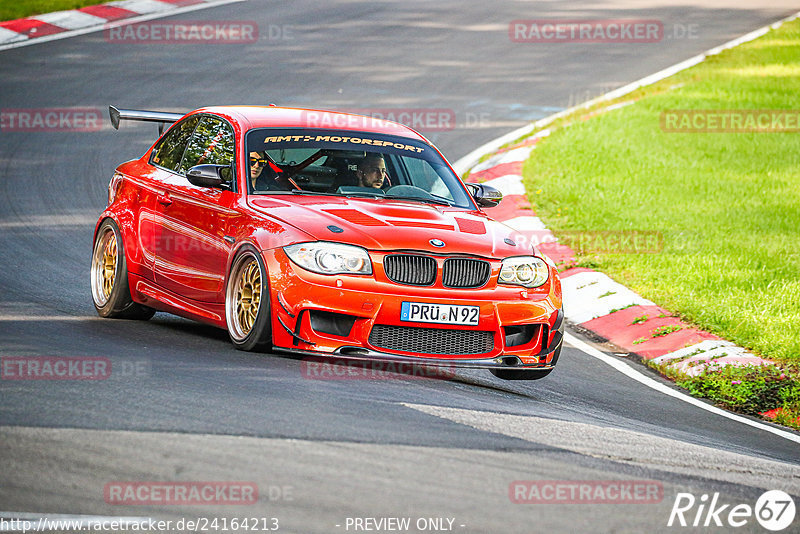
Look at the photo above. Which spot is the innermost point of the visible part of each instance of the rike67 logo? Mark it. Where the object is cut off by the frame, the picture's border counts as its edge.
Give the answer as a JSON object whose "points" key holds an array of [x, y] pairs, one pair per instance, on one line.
{"points": [[774, 510]]}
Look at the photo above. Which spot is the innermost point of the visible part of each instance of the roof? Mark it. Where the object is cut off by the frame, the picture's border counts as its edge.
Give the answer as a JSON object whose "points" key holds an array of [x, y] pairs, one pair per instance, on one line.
{"points": [[273, 116]]}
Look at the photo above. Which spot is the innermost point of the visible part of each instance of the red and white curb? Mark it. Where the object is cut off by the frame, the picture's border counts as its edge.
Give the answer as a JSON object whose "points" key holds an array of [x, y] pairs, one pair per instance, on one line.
{"points": [[62, 24], [593, 300], [503, 170]]}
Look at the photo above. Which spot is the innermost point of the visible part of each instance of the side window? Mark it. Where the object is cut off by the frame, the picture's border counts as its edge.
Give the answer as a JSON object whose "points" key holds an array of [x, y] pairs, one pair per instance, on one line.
{"points": [[212, 143], [169, 151]]}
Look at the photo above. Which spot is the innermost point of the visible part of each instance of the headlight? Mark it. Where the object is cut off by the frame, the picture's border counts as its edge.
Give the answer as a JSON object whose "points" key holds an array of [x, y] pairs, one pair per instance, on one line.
{"points": [[528, 271], [330, 258]]}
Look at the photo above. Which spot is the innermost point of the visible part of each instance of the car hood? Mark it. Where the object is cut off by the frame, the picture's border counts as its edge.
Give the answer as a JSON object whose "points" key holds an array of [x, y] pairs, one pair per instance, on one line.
{"points": [[393, 224]]}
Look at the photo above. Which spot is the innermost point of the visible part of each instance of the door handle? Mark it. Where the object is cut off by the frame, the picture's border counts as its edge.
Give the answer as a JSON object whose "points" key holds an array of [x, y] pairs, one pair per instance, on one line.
{"points": [[164, 200]]}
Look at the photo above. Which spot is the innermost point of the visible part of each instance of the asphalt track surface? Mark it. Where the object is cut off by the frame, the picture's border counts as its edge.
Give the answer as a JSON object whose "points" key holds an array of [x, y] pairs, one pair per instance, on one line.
{"points": [[195, 409]]}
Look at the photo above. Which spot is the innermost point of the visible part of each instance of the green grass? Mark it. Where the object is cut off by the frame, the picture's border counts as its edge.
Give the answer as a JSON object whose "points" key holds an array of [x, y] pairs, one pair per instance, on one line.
{"points": [[748, 390], [665, 330], [25, 8], [727, 204], [745, 389]]}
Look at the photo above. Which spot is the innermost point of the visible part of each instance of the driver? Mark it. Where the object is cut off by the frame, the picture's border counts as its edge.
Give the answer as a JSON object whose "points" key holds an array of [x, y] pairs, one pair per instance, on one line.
{"points": [[371, 171]]}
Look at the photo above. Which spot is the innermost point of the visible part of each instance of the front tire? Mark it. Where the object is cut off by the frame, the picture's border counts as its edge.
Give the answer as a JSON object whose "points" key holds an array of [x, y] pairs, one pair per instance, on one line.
{"points": [[526, 374], [111, 292], [520, 374], [247, 310]]}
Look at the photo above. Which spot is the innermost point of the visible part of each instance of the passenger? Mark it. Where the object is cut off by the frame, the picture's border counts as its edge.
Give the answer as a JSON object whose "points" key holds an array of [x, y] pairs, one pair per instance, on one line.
{"points": [[264, 177], [257, 164]]}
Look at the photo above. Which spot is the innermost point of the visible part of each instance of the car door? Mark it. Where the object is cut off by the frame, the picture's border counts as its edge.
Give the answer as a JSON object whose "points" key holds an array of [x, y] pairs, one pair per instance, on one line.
{"points": [[164, 162], [192, 253]]}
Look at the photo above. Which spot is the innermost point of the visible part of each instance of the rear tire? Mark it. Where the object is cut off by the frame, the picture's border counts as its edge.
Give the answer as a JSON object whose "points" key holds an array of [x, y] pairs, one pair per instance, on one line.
{"points": [[111, 293], [247, 310]]}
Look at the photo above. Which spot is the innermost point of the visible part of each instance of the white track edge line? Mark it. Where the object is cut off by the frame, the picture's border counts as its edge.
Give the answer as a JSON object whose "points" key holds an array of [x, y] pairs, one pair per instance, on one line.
{"points": [[630, 372], [115, 23], [468, 161]]}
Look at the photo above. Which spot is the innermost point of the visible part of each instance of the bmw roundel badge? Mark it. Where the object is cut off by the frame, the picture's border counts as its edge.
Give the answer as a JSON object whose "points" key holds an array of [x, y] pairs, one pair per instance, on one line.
{"points": [[436, 243]]}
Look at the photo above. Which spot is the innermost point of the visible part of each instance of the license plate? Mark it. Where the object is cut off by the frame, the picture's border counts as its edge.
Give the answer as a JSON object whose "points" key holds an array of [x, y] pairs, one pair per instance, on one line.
{"points": [[439, 313]]}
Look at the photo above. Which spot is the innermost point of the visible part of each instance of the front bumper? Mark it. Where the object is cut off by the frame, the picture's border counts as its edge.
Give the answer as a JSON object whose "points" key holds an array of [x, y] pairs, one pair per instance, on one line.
{"points": [[297, 296], [499, 362]]}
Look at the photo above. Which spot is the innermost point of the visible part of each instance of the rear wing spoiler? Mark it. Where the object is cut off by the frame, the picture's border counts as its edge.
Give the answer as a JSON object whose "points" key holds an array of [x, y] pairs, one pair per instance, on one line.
{"points": [[160, 117]]}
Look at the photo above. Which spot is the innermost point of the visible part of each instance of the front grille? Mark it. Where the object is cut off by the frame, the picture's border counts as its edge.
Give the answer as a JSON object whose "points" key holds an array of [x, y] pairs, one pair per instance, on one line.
{"points": [[431, 340], [465, 272], [410, 269]]}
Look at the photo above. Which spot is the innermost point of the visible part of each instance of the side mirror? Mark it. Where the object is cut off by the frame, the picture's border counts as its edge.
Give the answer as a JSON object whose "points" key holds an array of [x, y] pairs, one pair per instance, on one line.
{"points": [[209, 176], [486, 196]]}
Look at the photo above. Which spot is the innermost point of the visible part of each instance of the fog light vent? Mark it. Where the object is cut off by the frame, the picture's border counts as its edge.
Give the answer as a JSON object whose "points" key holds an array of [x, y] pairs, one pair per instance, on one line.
{"points": [[336, 324], [521, 334]]}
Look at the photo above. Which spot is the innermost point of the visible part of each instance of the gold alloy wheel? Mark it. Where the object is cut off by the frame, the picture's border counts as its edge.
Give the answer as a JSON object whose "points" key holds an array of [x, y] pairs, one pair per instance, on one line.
{"points": [[109, 264], [104, 267], [244, 294], [248, 296]]}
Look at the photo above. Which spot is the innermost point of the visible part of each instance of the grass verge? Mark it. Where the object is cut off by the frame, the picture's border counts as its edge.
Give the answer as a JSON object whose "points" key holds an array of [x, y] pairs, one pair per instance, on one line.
{"points": [[770, 391], [25, 8], [726, 204]]}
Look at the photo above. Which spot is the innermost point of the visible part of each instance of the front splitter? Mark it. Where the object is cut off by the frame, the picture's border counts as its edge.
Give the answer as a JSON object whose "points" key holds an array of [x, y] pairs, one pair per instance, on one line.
{"points": [[368, 355]]}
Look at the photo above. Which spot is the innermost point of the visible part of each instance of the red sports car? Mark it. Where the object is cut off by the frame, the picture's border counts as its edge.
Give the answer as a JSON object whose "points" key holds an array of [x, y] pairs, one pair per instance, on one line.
{"points": [[322, 233]]}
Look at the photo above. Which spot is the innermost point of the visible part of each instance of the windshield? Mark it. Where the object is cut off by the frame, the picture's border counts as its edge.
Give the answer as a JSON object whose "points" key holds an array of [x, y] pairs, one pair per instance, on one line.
{"points": [[350, 164]]}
